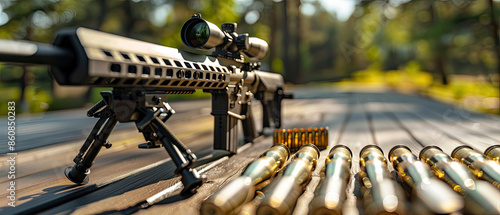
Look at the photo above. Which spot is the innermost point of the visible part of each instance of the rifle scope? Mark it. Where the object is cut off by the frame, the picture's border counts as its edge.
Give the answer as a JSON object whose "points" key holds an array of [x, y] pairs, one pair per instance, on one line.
{"points": [[200, 34]]}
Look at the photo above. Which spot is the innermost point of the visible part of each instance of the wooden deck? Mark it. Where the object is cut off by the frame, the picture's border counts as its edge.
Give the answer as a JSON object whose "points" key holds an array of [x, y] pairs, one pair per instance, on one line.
{"points": [[385, 119], [355, 119]]}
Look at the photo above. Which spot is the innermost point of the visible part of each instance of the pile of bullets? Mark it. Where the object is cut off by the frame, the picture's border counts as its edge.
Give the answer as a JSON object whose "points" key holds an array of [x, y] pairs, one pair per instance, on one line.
{"points": [[257, 175], [288, 182], [295, 138], [468, 182]]}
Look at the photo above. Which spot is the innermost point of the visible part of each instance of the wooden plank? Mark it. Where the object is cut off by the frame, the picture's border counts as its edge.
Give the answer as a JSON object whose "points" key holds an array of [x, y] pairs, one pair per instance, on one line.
{"points": [[333, 115], [123, 197], [218, 177], [419, 129], [484, 125], [489, 120], [387, 130], [356, 134], [452, 129]]}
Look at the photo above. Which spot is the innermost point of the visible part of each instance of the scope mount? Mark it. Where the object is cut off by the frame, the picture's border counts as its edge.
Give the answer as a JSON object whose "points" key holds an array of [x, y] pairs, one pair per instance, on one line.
{"points": [[233, 44]]}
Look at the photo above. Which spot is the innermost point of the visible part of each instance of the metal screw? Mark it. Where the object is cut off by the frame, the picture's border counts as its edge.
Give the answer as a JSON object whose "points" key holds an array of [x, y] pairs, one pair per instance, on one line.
{"points": [[108, 145]]}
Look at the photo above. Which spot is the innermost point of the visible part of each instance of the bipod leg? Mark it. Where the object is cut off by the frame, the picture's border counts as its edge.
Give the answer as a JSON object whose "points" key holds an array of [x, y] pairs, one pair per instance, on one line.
{"points": [[182, 157], [85, 158], [89, 140]]}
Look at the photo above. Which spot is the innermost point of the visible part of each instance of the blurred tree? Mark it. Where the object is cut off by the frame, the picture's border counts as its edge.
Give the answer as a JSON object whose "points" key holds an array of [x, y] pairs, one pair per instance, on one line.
{"points": [[34, 22], [153, 21], [307, 41], [440, 49], [296, 35], [445, 37], [319, 44], [494, 32]]}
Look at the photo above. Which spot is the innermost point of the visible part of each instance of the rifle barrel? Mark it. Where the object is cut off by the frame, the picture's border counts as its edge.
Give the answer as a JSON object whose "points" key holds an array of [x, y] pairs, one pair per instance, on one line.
{"points": [[34, 53]]}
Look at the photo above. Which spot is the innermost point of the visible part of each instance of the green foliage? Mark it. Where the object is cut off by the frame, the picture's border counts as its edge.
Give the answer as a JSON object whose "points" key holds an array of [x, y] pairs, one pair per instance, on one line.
{"points": [[36, 100], [277, 65]]}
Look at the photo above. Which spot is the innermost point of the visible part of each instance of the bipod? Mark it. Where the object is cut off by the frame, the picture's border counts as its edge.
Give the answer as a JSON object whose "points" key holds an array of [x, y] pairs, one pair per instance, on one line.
{"points": [[149, 112]]}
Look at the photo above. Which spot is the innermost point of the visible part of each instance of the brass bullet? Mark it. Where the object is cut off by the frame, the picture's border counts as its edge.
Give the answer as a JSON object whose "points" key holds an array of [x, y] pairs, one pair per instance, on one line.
{"points": [[480, 196], [280, 136], [282, 196], [380, 193], [283, 136], [303, 136], [289, 139], [296, 138], [331, 194], [322, 141], [327, 140], [257, 174], [480, 166], [276, 137], [310, 137], [417, 177], [316, 136], [493, 153]]}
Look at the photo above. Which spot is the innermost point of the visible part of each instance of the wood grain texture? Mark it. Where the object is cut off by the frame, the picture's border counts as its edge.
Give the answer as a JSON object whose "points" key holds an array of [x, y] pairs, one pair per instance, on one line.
{"points": [[355, 119]]}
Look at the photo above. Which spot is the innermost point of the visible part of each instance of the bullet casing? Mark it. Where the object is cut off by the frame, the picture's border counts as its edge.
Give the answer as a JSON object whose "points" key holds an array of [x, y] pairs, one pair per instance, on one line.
{"points": [[480, 196], [331, 194], [324, 137], [381, 194], [283, 136], [303, 136], [373, 165], [316, 138], [417, 177], [479, 165], [410, 170], [444, 167], [289, 138], [493, 153], [276, 136], [282, 196], [241, 190], [295, 138]]}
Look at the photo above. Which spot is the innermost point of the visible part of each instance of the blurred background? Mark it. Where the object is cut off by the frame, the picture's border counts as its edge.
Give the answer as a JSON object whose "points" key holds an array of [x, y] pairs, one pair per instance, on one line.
{"points": [[447, 50]]}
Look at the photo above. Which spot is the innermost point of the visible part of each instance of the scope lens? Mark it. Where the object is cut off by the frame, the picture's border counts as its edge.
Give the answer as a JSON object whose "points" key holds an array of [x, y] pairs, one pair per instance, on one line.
{"points": [[198, 34]]}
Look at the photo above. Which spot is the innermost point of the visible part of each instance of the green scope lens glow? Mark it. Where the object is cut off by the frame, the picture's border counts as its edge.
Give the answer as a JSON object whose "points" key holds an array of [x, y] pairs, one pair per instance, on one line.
{"points": [[198, 34]]}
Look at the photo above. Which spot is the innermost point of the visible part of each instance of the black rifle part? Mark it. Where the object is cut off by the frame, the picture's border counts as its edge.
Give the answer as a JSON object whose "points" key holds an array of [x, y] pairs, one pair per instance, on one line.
{"points": [[35, 53], [92, 146], [149, 111]]}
